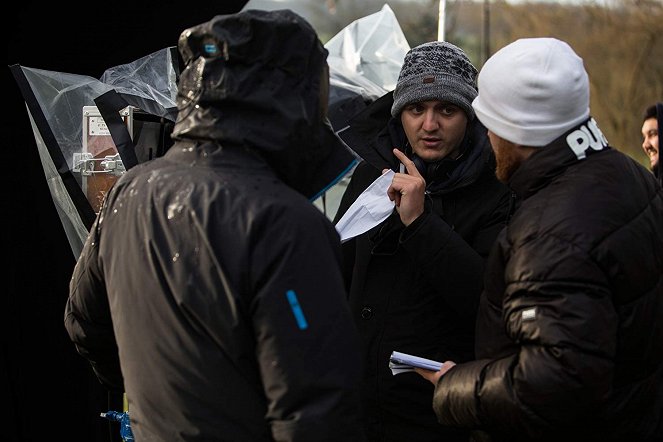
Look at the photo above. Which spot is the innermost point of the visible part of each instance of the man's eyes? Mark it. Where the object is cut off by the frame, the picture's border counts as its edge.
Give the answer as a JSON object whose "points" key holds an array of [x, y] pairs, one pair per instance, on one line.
{"points": [[448, 110], [415, 108], [445, 109]]}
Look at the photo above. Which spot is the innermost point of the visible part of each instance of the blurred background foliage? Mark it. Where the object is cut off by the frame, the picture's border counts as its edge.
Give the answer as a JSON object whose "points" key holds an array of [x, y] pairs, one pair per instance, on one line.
{"points": [[620, 41]]}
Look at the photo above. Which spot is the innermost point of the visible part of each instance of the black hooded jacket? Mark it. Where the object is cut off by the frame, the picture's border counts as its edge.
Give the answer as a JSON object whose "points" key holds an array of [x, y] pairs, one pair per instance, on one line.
{"points": [[570, 326], [210, 287], [416, 289]]}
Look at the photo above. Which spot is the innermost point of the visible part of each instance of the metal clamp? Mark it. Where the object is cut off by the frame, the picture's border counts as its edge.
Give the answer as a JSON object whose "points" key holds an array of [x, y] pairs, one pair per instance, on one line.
{"points": [[84, 163]]}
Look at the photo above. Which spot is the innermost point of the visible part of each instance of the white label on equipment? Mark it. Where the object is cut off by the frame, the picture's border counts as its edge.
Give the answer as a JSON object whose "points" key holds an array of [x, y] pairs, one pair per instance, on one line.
{"points": [[97, 127]]}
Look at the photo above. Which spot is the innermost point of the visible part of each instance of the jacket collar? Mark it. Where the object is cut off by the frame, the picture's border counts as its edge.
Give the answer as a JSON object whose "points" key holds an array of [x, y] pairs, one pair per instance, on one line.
{"points": [[551, 160]]}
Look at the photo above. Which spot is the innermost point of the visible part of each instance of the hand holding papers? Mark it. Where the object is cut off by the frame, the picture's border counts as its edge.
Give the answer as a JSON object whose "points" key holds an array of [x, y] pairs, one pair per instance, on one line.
{"points": [[403, 362], [371, 208]]}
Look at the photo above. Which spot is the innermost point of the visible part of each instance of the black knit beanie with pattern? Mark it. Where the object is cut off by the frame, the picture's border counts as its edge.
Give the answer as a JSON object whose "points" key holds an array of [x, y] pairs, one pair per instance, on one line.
{"points": [[436, 70]]}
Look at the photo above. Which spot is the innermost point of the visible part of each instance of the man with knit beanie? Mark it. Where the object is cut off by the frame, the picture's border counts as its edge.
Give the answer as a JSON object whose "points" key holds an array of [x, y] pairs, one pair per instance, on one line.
{"points": [[415, 279], [569, 328]]}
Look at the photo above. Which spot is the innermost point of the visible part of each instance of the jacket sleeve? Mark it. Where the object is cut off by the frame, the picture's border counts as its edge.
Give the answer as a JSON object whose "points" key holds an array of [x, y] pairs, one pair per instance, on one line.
{"points": [[87, 316], [558, 315], [307, 344]]}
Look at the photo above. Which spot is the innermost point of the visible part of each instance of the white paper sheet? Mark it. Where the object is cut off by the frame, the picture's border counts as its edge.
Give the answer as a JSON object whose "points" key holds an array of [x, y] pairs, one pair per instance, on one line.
{"points": [[371, 208]]}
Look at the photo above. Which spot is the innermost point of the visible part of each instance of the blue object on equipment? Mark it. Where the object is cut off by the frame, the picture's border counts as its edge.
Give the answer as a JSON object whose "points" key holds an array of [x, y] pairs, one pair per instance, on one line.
{"points": [[125, 424]]}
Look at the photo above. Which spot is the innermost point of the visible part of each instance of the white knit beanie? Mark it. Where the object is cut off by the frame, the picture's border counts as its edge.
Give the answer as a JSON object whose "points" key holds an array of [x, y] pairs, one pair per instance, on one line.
{"points": [[532, 91]]}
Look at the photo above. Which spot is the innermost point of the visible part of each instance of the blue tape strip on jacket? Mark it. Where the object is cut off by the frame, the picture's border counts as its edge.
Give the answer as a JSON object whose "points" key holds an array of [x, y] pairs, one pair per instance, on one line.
{"points": [[297, 310]]}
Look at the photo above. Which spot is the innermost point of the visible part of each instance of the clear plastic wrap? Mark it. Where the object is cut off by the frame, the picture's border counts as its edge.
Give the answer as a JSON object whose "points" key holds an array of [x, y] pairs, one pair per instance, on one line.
{"points": [[364, 61]]}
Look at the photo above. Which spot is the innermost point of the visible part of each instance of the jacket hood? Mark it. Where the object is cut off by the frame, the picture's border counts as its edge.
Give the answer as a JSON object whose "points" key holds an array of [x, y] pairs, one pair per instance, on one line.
{"points": [[259, 79]]}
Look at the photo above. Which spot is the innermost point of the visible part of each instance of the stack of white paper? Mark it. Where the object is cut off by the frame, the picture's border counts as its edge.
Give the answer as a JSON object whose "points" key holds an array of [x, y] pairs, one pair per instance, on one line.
{"points": [[403, 363]]}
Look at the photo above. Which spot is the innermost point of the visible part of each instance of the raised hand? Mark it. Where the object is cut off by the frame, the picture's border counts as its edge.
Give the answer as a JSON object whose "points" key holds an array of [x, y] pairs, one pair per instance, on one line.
{"points": [[407, 190], [434, 376]]}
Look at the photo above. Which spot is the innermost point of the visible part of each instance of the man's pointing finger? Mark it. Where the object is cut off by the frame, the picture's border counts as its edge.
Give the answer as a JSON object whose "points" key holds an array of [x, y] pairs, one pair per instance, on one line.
{"points": [[408, 163]]}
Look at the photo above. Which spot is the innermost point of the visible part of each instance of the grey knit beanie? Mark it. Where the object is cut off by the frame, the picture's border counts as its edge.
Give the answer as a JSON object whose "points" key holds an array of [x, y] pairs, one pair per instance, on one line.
{"points": [[436, 70]]}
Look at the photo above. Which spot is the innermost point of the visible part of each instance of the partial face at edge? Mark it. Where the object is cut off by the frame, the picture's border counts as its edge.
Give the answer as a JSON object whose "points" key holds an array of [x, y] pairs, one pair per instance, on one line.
{"points": [[650, 141], [434, 128]]}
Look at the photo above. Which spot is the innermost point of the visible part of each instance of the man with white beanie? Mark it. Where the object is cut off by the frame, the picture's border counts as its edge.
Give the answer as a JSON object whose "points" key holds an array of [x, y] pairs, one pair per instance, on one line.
{"points": [[569, 341]]}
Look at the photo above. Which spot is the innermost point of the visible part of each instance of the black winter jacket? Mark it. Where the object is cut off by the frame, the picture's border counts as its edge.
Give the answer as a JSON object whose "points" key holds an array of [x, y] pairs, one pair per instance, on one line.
{"points": [[416, 289], [570, 327], [210, 288]]}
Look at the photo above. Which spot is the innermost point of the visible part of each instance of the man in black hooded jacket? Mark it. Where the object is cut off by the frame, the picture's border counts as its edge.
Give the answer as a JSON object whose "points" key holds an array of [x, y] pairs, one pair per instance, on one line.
{"points": [[415, 279], [210, 287]]}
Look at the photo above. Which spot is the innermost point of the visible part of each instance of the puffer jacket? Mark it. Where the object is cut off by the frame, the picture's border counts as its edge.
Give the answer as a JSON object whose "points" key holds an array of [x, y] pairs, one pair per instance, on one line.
{"points": [[570, 326], [416, 289], [210, 287]]}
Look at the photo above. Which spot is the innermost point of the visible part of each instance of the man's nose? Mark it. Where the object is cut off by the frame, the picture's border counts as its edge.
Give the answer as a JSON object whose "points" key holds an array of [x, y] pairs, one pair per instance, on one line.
{"points": [[430, 121]]}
